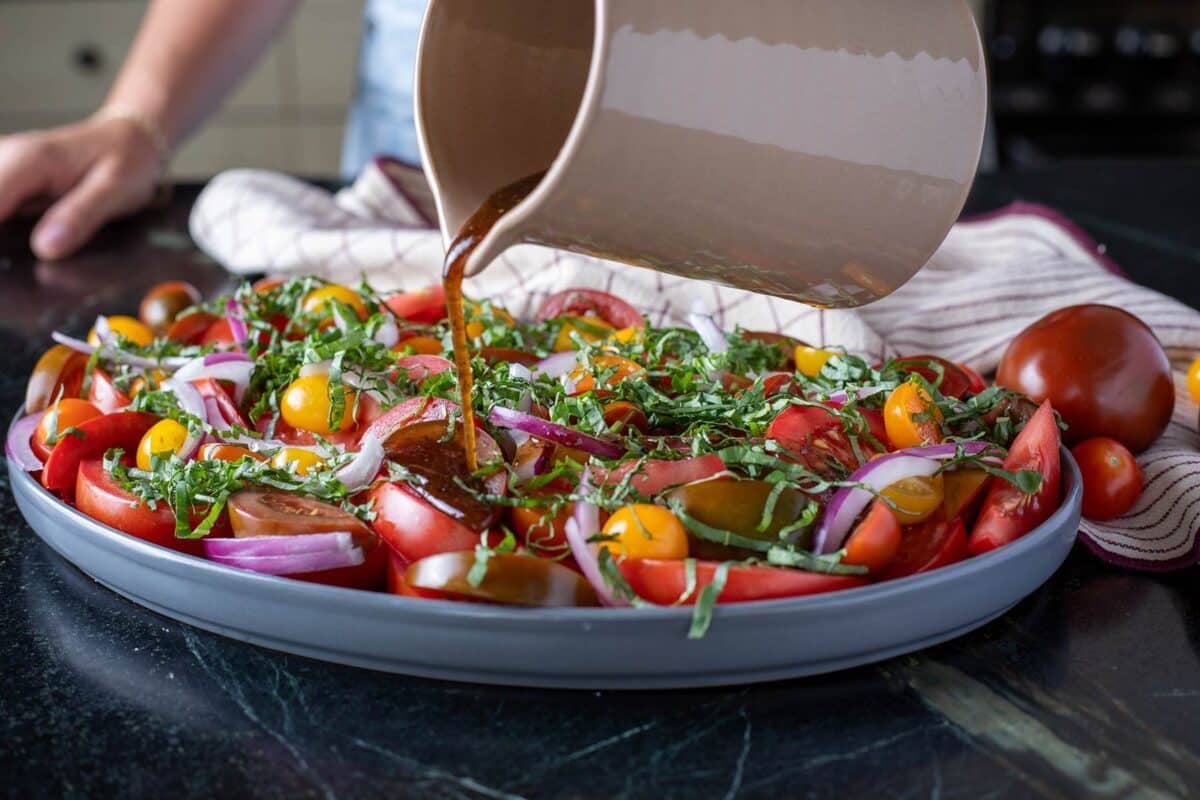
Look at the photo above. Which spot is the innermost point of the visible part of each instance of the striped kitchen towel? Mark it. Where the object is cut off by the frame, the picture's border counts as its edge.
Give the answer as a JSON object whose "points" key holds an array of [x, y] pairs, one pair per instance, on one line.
{"points": [[967, 303]]}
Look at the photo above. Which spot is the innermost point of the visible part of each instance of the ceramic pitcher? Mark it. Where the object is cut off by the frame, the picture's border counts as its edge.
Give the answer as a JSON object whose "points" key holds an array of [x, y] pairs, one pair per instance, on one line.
{"points": [[818, 150]]}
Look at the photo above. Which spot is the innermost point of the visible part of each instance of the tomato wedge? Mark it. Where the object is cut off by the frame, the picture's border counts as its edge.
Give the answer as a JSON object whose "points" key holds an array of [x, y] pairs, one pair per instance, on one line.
{"points": [[932, 544], [425, 306], [663, 582], [190, 328], [815, 438], [103, 499], [583, 302], [413, 528], [96, 436], [657, 475], [60, 367], [104, 394], [875, 541], [1008, 513]]}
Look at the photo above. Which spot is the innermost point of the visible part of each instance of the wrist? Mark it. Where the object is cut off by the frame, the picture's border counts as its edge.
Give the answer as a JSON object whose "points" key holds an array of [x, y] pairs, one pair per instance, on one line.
{"points": [[146, 124]]}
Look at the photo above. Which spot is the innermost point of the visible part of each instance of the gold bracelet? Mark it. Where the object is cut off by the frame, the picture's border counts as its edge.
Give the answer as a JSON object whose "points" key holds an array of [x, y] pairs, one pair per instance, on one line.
{"points": [[143, 122]]}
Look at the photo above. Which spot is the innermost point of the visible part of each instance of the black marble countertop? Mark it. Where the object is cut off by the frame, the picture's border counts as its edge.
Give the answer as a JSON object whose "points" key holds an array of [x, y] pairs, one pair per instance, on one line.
{"points": [[1090, 687]]}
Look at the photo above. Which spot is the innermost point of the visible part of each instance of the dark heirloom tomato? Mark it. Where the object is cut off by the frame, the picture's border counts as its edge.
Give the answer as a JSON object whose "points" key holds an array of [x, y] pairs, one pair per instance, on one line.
{"points": [[102, 499], [582, 302], [1008, 513], [736, 505], [1112, 481], [664, 582], [104, 394], [162, 304], [1101, 367], [98, 435], [930, 545], [511, 579], [60, 367]]}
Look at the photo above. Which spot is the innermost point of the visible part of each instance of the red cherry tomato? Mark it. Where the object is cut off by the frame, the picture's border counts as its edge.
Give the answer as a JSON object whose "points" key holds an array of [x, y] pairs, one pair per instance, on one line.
{"points": [[584, 302], [927, 546], [1101, 367], [1112, 481], [875, 541], [103, 499], [815, 437], [1008, 513], [425, 306], [663, 582], [104, 394], [124, 429], [190, 328], [978, 384], [655, 476], [955, 382]]}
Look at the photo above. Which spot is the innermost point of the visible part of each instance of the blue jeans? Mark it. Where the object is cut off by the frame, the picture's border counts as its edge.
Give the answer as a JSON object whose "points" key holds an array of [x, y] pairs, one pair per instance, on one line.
{"points": [[381, 115]]}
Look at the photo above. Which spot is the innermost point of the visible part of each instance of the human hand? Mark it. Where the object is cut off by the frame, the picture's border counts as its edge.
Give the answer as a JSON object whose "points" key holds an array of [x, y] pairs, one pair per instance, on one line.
{"points": [[91, 171]]}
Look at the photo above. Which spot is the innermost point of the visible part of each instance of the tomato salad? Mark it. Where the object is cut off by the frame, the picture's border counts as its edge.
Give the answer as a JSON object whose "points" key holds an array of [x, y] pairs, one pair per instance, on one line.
{"points": [[310, 430]]}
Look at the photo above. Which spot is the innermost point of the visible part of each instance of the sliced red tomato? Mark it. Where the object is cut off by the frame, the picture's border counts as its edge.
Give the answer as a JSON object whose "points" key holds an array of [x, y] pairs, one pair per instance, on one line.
{"points": [[418, 409], [104, 394], [932, 544], [418, 368], [1008, 513], [814, 437], [664, 582], [103, 499], [413, 528], [875, 541], [955, 380], [425, 306], [190, 328], [582, 302], [655, 476], [124, 429]]}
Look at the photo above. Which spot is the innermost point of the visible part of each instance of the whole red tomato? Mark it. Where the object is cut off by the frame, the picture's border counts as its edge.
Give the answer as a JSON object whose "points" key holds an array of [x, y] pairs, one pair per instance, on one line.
{"points": [[1112, 481], [1103, 370]]}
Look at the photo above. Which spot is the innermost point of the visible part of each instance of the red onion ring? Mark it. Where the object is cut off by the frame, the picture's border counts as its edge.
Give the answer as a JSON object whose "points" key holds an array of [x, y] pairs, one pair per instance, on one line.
{"points": [[848, 502], [120, 356], [359, 473], [190, 402], [503, 417], [584, 523], [237, 325], [17, 448], [278, 545], [295, 562], [236, 371]]}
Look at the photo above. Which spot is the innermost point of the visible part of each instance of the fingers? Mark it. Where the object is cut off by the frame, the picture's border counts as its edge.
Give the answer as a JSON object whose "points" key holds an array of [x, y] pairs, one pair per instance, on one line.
{"points": [[27, 170], [102, 194]]}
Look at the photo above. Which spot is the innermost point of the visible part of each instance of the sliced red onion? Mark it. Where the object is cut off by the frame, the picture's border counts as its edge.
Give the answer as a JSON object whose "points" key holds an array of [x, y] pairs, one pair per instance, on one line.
{"points": [[359, 473], [388, 334], [555, 366], [539, 464], [503, 417], [863, 394], [521, 372], [190, 402], [583, 524], [848, 502], [278, 545], [120, 356], [104, 331], [236, 372], [17, 448], [266, 445], [713, 336], [237, 325], [296, 562], [226, 357]]}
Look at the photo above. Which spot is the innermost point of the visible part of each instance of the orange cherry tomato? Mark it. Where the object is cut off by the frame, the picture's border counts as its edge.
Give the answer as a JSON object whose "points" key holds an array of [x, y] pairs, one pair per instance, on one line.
{"points": [[217, 451], [541, 530], [59, 368], [318, 300], [621, 415], [70, 412], [644, 530], [876, 541], [1112, 481], [612, 369], [420, 346], [911, 417]]}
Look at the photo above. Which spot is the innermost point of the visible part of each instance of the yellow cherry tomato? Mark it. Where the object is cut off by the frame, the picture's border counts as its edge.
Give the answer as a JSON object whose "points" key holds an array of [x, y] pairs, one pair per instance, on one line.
{"points": [[627, 335], [132, 329], [646, 531], [492, 315], [216, 451], [590, 329], [614, 370], [165, 437], [811, 360], [305, 405], [911, 417], [296, 459], [317, 301], [916, 499], [1193, 380]]}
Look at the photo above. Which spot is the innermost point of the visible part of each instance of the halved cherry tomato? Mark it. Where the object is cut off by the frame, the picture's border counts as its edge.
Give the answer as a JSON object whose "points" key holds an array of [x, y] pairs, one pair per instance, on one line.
{"points": [[589, 329], [254, 512], [166, 437], [425, 306], [644, 530], [613, 370], [657, 475], [127, 327], [103, 499], [911, 417], [736, 505], [811, 360], [191, 328], [318, 300], [59, 368], [591, 302], [955, 381], [297, 460], [510, 579], [420, 345], [540, 530], [933, 544], [305, 404], [69, 412], [664, 582], [104, 394], [216, 451], [1008, 513], [816, 438], [1193, 380], [1112, 481], [621, 415], [124, 429], [162, 304], [875, 541], [916, 499]]}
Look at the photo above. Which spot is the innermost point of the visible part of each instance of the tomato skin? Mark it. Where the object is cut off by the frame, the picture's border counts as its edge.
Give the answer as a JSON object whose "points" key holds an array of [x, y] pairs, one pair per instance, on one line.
{"points": [[978, 384], [956, 381], [814, 437], [1008, 513], [584, 302], [72, 413], [540, 531], [162, 304], [875, 542], [644, 530], [1101, 367], [657, 475], [663, 582], [1112, 481], [425, 306], [124, 429], [104, 394], [102, 499], [191, 328], [623, 415], [415, 529], [220, 334], [911, 417], [931, 545]]}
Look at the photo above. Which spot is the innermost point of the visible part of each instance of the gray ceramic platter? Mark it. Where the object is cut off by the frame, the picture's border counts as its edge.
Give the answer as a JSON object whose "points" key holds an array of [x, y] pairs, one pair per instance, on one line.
{"points": [[560, 648]]}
